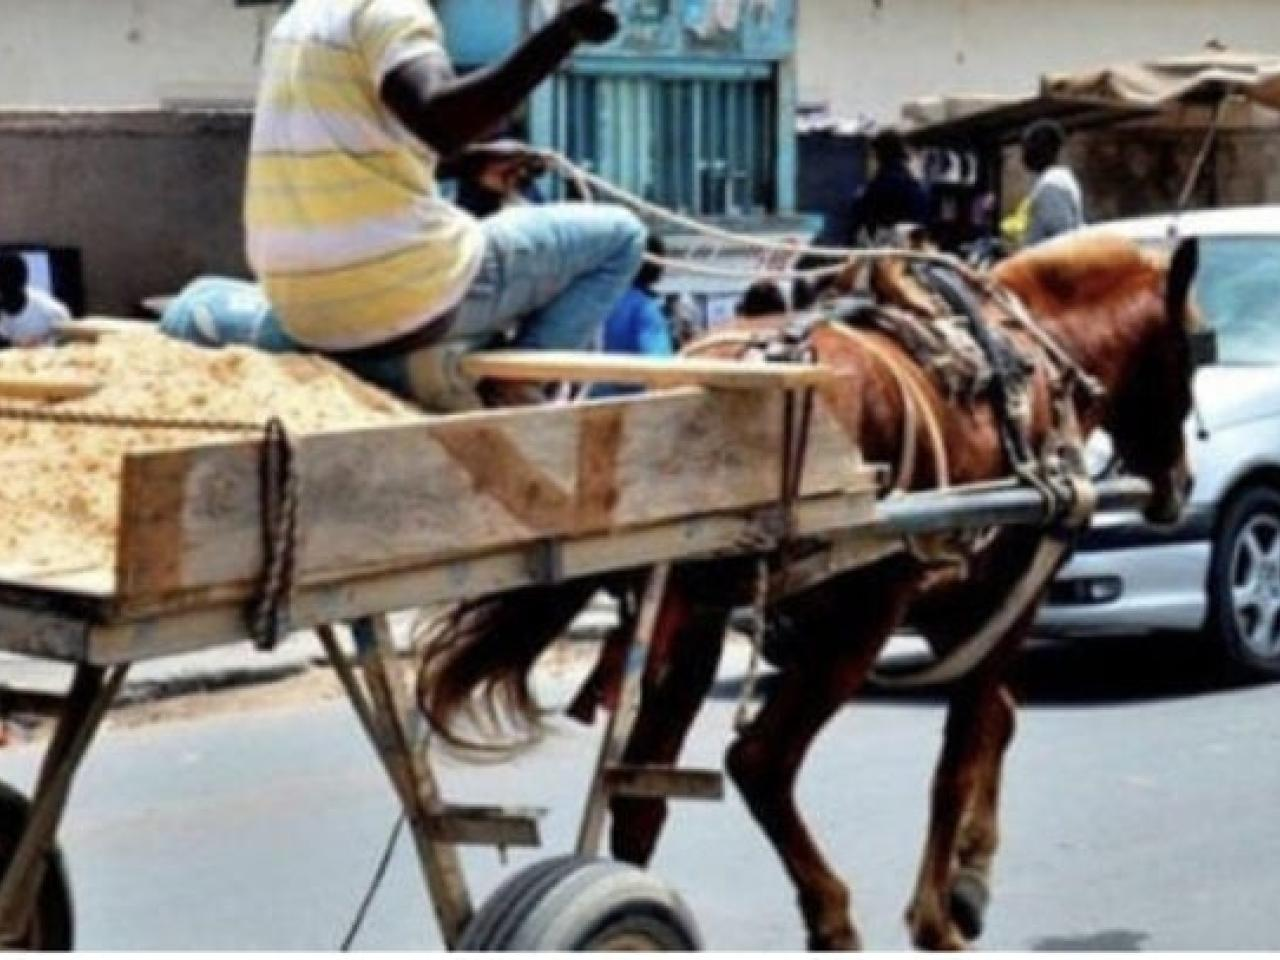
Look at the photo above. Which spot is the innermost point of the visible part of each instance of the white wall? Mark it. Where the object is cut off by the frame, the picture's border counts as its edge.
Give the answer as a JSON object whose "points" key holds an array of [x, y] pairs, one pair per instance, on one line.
{"points": [[860, 55], [100, 53], [871, 56]]}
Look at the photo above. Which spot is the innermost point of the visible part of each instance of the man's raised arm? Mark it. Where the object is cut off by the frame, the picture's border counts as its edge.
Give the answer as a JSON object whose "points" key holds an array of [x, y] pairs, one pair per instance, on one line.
{"points": [[448, 112]]}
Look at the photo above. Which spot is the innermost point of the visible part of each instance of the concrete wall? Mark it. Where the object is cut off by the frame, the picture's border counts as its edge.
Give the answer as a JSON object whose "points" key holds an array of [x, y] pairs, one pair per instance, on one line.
{"points": [[99, 53], [151, 199], [871, 56], [864, 56]]}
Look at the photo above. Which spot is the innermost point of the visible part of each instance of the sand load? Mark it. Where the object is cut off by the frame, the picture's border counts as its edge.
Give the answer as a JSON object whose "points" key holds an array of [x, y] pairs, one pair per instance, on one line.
{"points": [[59, 483]]}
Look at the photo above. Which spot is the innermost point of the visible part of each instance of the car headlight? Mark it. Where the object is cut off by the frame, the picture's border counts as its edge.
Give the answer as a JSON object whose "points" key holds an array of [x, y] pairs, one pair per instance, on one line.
{"points": [[1099, 454]]}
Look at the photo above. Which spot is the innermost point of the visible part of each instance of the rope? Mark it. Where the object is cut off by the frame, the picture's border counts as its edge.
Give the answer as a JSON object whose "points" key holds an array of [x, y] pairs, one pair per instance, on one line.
{"points": [[908, 385], [585, 182], [1020, 315], [375, 885], [270, 610]]}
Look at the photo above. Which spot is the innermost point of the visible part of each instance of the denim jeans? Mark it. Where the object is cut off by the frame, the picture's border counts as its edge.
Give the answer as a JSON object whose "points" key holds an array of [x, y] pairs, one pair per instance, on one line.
{"points": [[551, 274], [549, 278]]}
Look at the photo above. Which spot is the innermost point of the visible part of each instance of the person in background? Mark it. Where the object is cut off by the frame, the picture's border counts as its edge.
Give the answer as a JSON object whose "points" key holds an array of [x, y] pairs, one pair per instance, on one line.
{"points": [[764, 298], [28, 317], [637, 324], [1055, 204], [893, 196]]}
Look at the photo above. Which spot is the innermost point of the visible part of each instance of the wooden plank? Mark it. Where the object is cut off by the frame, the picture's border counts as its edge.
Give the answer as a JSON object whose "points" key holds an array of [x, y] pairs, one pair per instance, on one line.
{"points": [[463, 485], [219, 621], [411, 774], [548, 365], [47, 388], [664, 783], [622, 720], [91, 329], [486, 826], [43, 633]]}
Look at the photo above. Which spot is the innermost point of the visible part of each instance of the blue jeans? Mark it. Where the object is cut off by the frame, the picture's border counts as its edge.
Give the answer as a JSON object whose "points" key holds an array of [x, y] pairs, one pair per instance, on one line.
{"points": [[550, 276]]}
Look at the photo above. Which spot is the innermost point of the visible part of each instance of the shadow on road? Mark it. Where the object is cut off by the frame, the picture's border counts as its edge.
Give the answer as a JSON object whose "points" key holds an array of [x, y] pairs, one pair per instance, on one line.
{"points": [[1081, 673], [1106, 941]]}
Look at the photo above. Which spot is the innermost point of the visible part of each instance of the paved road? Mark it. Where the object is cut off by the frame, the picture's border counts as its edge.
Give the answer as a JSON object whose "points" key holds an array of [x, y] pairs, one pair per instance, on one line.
{"points": [[1140, 814]]}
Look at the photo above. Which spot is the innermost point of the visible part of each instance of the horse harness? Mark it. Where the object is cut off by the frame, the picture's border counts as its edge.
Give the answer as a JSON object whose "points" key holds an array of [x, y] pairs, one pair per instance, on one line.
{"points": [[971, 360]]}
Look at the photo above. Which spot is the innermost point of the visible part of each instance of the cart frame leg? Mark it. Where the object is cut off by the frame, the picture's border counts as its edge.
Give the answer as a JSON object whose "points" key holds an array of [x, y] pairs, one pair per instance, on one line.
{"points": [[623, 719], [385, 709], [93, 689]]}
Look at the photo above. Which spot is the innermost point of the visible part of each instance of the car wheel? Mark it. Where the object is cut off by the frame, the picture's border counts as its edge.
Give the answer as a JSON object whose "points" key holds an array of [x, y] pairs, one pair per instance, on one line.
{"points": [[1244, 583]]}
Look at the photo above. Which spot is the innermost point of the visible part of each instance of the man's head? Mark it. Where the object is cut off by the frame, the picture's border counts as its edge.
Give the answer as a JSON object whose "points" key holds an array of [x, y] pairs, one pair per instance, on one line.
{"points": [[650, 273], [889, 149], [764, 298], [13, 282], [1041, 144]]}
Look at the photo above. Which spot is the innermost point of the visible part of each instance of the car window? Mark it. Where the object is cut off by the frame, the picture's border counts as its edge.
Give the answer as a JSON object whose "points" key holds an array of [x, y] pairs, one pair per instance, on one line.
{"points": [[1238, 292]]}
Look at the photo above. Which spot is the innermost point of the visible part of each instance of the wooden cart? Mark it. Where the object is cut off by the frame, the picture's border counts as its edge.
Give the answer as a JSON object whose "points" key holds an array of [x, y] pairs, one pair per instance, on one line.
{"points": [[459, 507]]}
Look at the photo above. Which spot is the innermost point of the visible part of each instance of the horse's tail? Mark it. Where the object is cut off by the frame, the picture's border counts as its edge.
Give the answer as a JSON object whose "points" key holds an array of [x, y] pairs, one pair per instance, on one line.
{"points": [[477, 663]]}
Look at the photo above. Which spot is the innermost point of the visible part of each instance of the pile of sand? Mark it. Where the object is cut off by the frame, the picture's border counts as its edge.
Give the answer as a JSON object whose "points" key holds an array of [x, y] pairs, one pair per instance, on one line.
{"points": [[59, 484]]}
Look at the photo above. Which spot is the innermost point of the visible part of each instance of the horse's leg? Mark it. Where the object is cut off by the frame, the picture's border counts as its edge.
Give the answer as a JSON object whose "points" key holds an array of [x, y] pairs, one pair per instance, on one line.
{"points": [[953, 885], [979, 831], [766, 759]]}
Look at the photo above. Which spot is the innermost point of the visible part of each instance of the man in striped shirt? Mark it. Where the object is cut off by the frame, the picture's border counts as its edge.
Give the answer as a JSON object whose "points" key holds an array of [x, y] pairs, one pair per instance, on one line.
{"points": [[361, 256]]}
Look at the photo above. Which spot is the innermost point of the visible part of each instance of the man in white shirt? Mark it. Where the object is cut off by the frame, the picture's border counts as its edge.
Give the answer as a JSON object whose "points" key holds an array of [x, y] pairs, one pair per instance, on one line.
{"points": [[1056, 202], [28, 317]]}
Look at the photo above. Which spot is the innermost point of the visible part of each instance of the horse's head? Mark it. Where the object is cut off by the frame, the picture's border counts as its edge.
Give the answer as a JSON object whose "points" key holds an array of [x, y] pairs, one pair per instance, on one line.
{"points": [[1149, 408], [1124, 314]]}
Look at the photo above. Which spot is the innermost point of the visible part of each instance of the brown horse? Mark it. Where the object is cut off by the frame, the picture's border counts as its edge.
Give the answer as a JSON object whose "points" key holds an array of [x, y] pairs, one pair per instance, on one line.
{"points": [[1122, 315]]}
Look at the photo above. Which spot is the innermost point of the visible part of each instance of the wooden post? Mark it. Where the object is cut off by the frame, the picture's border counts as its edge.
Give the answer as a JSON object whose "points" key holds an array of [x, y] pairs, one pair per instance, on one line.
{"points": [[389, 719], [623, 720]]}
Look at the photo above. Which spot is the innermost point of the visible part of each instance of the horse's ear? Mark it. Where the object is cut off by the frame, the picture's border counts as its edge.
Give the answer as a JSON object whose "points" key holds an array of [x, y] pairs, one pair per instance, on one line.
{"points": [[1182, 272]]}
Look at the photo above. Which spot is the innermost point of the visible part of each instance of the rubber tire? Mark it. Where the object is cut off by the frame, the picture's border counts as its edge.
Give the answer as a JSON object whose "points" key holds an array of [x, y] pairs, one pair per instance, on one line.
{"points": [[1221, 624], [581, 904], [54, 919]]}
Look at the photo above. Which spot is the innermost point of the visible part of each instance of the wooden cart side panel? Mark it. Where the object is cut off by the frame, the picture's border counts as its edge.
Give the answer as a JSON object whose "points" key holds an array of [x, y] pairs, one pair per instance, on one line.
{"points": [[43, 633], [462, 485], [183, 630]]}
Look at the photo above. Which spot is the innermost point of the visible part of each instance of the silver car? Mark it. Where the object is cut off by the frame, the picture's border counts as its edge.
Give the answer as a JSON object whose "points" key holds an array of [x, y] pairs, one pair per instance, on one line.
{"points": [[1218, 570]]}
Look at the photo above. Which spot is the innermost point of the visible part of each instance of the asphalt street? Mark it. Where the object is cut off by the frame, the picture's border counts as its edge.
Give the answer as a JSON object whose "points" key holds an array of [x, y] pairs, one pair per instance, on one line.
{"points": [[1139, 814]]}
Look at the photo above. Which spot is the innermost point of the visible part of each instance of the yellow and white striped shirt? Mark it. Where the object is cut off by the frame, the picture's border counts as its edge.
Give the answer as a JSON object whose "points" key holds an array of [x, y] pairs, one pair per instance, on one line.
{"points": [[346, 227]]}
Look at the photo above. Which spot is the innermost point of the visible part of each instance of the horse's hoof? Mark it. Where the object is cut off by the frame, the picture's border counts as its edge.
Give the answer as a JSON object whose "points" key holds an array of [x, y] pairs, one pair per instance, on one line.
{"points": [[969, 900], [843, 941]]}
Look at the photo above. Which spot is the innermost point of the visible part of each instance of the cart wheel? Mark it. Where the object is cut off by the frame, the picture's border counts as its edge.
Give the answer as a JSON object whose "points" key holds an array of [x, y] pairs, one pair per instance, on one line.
{"points": [[52, 925], [574, 903]]}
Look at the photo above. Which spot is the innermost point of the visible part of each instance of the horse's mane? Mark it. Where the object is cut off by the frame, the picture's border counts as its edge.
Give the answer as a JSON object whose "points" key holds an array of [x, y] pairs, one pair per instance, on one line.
{"points": [[1085, 266]]}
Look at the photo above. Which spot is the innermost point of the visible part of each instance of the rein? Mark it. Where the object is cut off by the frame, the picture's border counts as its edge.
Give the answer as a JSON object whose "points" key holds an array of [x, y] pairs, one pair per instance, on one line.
{"points": [[1057, 474]]}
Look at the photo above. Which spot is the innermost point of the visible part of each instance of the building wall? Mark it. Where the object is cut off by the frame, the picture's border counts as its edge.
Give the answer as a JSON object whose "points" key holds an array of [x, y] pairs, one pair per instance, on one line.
{"points": [[117, 53], [870, 56], [865, 56], [151, 199]]}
